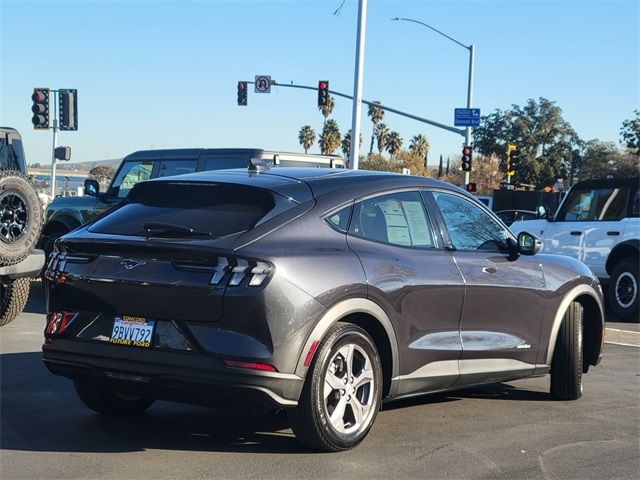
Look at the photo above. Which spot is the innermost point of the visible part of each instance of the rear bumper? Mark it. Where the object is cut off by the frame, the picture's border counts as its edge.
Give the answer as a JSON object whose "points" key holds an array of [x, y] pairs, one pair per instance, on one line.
{"points": [[29, 267], [182, 377]]}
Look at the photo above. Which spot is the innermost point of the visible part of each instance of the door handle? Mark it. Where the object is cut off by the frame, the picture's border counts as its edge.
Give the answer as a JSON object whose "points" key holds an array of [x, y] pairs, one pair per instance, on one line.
{"points": [[488, 270], [575, 232], [614, 234]]}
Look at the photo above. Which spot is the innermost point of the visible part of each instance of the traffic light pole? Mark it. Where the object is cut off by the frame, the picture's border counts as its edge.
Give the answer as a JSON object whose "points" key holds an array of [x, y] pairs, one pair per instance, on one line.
{"points": [[378, 105], [467, 136], [55, 140]]}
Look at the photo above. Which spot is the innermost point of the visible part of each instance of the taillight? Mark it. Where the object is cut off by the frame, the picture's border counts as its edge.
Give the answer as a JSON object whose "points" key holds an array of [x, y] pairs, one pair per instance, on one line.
{"points": [[250, 365], [57, 322], [240, 272], [58, 263]]}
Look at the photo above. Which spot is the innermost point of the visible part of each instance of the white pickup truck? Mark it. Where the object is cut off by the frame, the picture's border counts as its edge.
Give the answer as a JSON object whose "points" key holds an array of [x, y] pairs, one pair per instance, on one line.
{"points": [[598, 222]]}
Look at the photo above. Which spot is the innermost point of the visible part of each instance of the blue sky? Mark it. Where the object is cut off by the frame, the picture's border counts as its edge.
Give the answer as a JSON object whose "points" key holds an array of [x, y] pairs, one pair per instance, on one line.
{"points": [[163, 74]]}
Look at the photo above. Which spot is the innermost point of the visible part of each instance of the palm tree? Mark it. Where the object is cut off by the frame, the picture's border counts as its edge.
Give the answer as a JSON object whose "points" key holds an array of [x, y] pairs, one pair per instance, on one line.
{"points": [[330, 137], [327, 109], [419, 145], [394, 143], [376, 114], [345, 146], [381, 132], [306, 137]]}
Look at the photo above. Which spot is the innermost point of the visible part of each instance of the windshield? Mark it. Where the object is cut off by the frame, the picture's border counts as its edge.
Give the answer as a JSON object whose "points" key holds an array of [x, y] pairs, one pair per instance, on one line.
{"points": [[11, 154], [212, 209], [130, 174]]}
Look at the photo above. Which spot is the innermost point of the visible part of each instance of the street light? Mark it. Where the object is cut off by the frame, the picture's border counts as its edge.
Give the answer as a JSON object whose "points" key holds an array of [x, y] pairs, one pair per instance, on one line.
{"points": [[471, 49]]}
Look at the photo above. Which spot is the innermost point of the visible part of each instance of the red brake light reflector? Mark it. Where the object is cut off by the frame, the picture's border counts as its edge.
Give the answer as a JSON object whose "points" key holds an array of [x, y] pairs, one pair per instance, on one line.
{"points": [[250, 365]]}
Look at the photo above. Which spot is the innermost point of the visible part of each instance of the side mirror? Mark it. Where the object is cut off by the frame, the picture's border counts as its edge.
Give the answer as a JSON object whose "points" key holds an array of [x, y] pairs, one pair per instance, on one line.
{"points": [[542, 211], [91, 187], [528, 244]]}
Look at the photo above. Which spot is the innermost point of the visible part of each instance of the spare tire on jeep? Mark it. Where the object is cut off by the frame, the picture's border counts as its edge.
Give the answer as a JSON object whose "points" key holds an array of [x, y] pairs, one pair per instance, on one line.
{"points": [[20, 217]]}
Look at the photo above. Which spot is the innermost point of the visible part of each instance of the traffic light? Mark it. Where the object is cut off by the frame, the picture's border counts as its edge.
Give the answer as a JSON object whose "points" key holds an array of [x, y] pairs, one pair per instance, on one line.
{"points": [[323, 93], [40, 108], [62, 153], [467, 158], [68, 104], [513, 160], [472, 187], [242, 93]]}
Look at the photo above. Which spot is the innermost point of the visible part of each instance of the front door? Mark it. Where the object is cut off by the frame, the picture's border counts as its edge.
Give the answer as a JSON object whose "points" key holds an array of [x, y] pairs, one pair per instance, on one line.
{"points": [[502, 313]]}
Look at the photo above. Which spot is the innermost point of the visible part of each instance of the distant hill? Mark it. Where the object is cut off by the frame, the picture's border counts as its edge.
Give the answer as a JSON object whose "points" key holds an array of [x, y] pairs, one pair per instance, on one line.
{"points": [[86, 166], [79, 166]]}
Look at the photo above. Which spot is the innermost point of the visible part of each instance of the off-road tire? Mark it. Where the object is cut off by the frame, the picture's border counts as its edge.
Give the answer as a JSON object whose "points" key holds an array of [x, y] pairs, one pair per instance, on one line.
{"points": [[309, 419], [110, 403], [623, 289], [16, 245], [13, 298], [566, 366]]}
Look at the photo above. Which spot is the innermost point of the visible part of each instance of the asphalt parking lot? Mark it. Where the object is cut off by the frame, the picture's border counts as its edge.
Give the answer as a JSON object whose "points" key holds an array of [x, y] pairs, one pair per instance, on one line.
{"points": [[511, 430]]}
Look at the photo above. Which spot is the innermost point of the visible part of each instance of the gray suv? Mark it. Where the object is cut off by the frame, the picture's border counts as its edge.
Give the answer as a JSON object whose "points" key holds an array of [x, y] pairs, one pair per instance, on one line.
{"points": [[322, 292]]}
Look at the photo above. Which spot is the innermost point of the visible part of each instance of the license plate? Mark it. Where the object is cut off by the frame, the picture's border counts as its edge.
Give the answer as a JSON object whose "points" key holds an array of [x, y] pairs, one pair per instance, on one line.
{"points": [[132, 331]]}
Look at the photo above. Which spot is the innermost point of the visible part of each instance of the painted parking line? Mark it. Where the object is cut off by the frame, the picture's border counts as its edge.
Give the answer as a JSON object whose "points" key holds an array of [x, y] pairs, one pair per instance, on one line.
{"points": [[617, 336]]}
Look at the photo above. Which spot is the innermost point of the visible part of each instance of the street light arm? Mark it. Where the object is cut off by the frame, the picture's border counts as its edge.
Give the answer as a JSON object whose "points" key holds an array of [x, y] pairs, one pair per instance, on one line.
{"points": [[434, 29]]}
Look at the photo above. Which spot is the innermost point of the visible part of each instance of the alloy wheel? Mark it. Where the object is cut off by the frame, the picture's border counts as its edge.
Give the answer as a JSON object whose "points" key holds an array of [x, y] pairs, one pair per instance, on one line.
{"points": [[349, 389], [626, 289], [13, 217]]}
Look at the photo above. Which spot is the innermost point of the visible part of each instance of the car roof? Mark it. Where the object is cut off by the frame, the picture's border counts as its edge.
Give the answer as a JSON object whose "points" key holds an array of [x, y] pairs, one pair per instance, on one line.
{"points": [[608, 182], [302, 184], [186, 152]]}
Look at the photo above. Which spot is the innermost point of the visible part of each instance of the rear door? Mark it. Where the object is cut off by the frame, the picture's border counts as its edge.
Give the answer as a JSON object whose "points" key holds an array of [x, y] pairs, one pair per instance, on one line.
{"points": [[504, 294], [415, 280]]}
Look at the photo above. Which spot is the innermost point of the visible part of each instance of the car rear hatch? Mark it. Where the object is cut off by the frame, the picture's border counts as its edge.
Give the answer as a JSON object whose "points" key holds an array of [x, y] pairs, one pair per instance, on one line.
{"points": [[166, 253]]}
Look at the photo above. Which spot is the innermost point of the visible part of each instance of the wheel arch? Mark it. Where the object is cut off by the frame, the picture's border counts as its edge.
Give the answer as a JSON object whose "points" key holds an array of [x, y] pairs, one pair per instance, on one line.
{"points": [[61, 222], [630, 248], [370, 317], [593, 324]]}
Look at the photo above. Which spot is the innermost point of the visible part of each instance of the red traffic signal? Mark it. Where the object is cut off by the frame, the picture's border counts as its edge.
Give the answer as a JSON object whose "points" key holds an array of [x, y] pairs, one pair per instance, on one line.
{"points": [[472, 187], [242, 93], [467, 158], [323, 93], [40, 108]]}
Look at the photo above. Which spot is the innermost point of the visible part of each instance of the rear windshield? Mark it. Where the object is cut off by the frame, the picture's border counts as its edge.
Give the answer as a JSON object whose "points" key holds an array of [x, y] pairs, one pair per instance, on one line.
{"points": [[215, 209]]}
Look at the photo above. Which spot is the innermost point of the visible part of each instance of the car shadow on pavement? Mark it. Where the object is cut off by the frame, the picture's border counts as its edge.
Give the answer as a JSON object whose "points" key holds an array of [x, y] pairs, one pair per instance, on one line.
{"points": [[41, 412]]}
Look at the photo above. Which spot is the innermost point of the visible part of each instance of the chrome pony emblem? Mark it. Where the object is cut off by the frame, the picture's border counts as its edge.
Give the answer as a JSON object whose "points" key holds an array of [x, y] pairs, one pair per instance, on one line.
{"points": [[129, 264]]}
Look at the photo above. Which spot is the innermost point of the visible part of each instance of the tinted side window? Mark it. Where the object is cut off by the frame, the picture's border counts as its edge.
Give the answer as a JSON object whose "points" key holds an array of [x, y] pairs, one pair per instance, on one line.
{"points": [[470, 227], [395, 218], [612, 203], [595, 204], [340, 219], [221, 163], [130, 174], [177, 167]]}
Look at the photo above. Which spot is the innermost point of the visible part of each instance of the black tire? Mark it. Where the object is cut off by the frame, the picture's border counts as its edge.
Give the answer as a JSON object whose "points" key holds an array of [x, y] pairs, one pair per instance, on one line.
{"points": [[623, 290], [20, 217], [110, 403], [310, 420], [13, 298], [566, 366]]}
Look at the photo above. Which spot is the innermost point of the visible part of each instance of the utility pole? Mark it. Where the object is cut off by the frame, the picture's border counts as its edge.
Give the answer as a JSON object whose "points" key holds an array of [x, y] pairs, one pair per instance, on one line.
{"points": [[467, 136], [53, 148], [357, 86]]}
